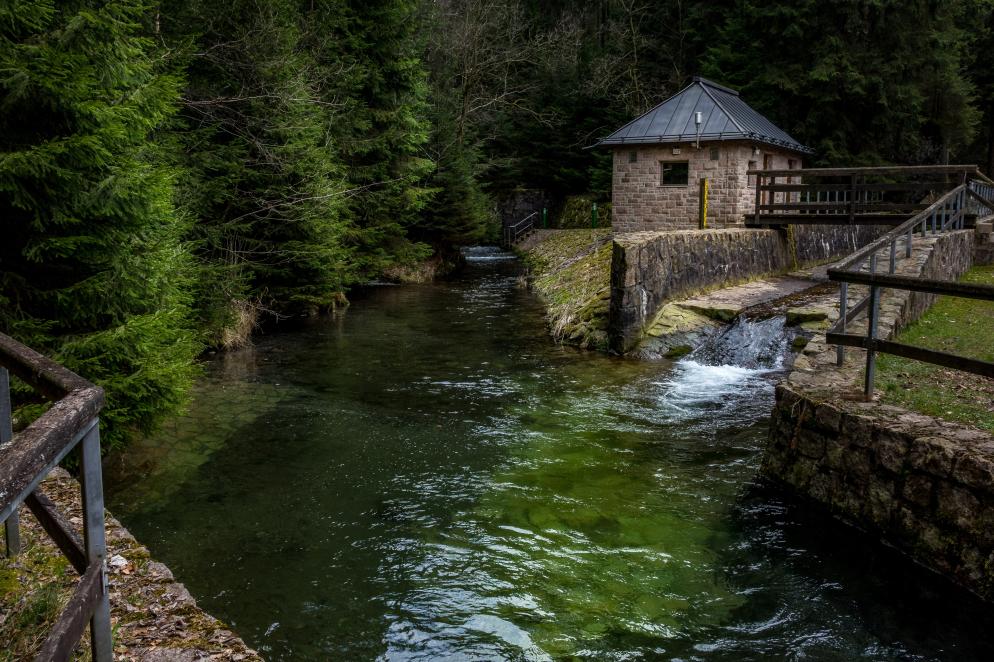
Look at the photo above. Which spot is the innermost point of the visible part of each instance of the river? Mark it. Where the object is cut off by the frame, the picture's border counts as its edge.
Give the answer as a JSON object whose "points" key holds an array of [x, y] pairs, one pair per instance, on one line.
{"points": [[427, 476]]}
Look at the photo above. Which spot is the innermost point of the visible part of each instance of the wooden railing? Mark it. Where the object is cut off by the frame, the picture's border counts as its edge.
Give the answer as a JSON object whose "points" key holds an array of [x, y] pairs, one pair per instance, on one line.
{"points": [[871, 196], [946, 214], [26, 458]]}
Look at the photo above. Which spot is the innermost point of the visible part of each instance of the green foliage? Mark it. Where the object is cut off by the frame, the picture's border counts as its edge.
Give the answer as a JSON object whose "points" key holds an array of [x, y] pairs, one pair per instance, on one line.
{"points": [[263, 185], [94, 272], [577, 213], [959, 326], [873, 83], [375, 84]]}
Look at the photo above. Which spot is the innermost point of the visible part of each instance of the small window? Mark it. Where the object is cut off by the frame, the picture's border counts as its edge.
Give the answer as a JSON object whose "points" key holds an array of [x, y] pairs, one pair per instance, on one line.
{"points": [[714, 153], [633, 156], [674, 173], [752, 178]]}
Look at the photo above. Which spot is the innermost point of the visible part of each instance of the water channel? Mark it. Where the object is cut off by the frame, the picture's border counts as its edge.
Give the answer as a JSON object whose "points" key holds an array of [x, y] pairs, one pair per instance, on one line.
{"points": [[427, 476]]}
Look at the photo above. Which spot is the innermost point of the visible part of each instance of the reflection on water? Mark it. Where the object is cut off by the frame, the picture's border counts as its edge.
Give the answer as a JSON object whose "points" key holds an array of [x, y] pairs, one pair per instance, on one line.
{"points": [[427, 477]]}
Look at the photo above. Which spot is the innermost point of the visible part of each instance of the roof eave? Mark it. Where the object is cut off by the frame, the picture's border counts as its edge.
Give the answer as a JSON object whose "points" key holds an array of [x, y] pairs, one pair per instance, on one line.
{"points": [[681, 140]]}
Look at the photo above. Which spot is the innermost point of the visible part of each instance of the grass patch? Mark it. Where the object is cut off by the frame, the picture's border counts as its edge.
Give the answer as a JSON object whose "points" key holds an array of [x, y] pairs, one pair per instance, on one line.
{"points": [[955, 325], [571, 271], [34, 587]]}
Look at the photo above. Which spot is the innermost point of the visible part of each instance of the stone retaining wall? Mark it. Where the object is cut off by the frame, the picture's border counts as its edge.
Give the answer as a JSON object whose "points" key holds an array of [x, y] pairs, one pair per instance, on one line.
{"points": [[648, 269], [924, 485]]}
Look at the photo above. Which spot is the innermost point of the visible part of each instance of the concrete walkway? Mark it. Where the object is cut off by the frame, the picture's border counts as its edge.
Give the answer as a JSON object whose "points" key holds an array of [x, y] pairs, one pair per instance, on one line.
{"points": [[728, 303]]}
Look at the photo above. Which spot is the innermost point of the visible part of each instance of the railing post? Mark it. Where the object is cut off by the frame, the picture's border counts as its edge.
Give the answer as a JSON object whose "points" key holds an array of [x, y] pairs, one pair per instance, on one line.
{"points": [[871, 334], [12, 529], [961, 223], [94, 539], [759, 190], [907, 246], [840, 350], [893, 255], [852, 199]]}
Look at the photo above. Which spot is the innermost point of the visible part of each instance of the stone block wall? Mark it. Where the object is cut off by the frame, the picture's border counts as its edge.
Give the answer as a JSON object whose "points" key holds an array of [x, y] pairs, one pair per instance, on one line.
{"points": [[513, 206], [641, 203], [925, 486], [649, 269], [983, 252]]}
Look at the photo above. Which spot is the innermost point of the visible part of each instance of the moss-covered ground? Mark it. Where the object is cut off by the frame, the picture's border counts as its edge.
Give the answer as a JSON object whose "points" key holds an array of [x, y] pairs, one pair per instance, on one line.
{"points": [[571, 271], [149, 611], [959, 326], [34, 588]]}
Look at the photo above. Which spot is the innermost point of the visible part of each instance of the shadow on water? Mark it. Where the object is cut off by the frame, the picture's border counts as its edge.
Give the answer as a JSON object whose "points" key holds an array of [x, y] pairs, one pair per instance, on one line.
{"points": [[428, 477]]}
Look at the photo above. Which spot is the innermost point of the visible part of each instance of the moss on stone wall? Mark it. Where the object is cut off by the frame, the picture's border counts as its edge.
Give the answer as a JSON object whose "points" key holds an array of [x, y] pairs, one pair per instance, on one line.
{"points": [[571, 271]]}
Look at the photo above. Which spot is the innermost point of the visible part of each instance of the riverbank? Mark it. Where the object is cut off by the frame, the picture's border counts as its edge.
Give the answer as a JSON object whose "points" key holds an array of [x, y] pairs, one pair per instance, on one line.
{"points": [[155, 619], [570, 270]]}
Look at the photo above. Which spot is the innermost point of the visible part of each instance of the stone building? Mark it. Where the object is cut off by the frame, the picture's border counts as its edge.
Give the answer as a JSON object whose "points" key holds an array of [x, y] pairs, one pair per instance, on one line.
{"points": [[704, 131]]}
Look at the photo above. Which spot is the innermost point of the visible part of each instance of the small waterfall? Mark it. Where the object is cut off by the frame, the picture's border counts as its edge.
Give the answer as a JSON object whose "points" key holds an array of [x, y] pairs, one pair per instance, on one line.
{"points": [[486, 254], [727, 378], [756, 344]]}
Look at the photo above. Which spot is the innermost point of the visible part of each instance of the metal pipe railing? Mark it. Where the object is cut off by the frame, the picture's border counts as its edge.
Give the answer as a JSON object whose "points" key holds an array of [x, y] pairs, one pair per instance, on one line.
{"points": [[512, 233]]}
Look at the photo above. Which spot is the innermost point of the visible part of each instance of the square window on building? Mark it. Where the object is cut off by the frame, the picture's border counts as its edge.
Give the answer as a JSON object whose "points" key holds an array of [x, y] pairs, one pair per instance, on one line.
{"points": [[714, 153], [674, 173], [633, 156]]}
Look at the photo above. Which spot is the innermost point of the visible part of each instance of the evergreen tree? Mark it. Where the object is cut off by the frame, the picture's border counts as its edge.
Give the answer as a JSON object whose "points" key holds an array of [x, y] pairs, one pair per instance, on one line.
{"points": [[92, 270], [265, 183], [864, 83], [375, 87]]}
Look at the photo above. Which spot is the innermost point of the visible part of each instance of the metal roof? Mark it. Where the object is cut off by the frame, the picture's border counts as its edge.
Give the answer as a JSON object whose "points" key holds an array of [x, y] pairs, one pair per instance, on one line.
{"points": [[724, 115]]}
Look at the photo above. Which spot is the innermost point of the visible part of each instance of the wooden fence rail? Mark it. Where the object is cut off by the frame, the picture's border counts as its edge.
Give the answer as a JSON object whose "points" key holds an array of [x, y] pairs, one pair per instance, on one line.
{"points": [[27, 457], [872, 196]]}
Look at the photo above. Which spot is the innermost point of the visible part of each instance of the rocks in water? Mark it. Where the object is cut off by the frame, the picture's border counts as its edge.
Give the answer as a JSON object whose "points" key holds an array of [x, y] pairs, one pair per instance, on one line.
{"points": [[675, 332]]}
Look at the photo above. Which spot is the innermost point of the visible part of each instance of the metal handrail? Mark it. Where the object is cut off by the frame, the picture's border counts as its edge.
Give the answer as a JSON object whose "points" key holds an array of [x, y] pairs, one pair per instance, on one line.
{"points": [[514, 232], [948, 213], [27, 457]]}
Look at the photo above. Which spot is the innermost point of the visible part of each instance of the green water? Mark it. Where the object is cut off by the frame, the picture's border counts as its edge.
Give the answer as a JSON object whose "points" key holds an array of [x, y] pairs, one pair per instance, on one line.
{"points": [[428, 477]]}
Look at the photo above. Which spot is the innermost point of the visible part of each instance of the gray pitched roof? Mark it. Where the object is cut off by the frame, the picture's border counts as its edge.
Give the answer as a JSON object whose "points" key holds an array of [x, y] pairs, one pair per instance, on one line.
{"points": [[724, 115]]}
